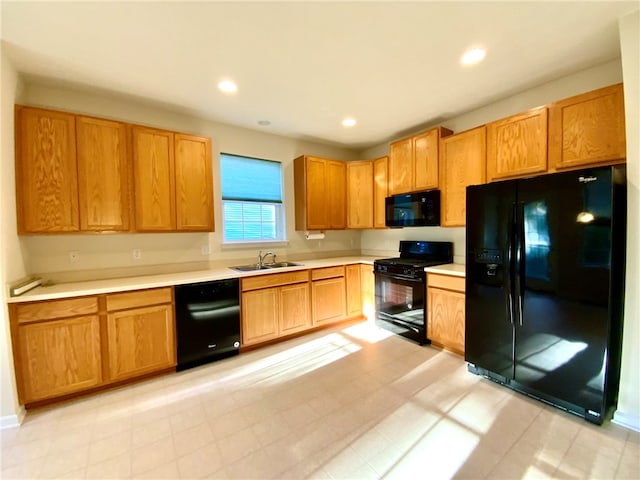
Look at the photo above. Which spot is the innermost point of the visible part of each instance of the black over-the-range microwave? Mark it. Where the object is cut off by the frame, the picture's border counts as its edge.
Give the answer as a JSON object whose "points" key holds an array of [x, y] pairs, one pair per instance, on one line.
{"points": [[418, 209]]}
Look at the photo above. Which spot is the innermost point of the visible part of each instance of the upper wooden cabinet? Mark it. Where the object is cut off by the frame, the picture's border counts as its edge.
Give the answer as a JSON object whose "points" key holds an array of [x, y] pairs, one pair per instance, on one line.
{"points": [[173, 183], [380, 190], [462, 163], [587, 129], [517, 145], [103, 174], [194, 184], [154, 179], [46, 171], [320, 193], [73, 174], [413, 162], [360, 188]]}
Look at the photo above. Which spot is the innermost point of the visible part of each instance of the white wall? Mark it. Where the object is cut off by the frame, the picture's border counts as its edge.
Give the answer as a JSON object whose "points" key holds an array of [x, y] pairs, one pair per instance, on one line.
{"points": [[51, 253], [628, 412], [11, 257]]}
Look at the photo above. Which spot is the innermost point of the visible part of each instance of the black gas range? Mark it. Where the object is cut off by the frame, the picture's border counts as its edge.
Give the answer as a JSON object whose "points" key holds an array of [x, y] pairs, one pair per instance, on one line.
{"points": [[401, 287]]}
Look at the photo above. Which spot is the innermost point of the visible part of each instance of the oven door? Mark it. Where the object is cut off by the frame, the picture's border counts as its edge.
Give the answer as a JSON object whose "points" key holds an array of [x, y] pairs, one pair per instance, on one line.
{"points": [[400, 306]]}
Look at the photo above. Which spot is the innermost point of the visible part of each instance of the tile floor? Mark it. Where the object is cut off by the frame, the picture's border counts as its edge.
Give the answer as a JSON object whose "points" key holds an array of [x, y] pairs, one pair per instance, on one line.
{"points": [[349, 402]]}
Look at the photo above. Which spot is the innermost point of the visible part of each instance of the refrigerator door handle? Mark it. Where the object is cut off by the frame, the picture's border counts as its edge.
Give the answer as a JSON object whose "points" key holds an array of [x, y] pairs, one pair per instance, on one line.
{"points": [[519, 261], [508, 271]]}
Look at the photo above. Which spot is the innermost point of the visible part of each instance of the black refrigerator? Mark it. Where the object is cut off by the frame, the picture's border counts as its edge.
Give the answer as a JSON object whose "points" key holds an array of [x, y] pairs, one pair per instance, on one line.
{"points": [[545, 286]]}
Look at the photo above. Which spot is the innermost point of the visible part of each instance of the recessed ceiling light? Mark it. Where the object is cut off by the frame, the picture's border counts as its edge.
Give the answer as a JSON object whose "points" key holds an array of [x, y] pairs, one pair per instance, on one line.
{"points": [[473, 56], [348, 122], [264, 123], [228, 86]]}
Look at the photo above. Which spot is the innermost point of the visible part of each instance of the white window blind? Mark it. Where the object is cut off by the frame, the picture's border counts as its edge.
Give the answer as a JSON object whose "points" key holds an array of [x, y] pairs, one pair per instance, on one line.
{"points": [[252, 199]]}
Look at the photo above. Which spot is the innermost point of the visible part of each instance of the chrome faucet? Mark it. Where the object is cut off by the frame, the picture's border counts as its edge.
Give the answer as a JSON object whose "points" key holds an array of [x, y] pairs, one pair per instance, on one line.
{"points": [[262, 257]]}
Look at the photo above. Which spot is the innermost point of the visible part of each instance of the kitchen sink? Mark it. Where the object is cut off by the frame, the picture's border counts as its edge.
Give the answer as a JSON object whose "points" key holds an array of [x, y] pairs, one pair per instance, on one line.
{"points": [[267, 266]]}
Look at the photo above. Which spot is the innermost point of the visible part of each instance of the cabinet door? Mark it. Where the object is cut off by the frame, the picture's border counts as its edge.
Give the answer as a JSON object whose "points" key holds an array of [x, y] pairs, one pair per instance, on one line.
{"points": [[260, 313], [380, 191], [328, 302], [46, 172], [316, 208], [425, 152], [445, 326], [103, 174], [367, 280], [337, 190], [588, 129], [517, 145], [360, 194], [401, 166], [154, 176], [463, 163], [294, 308], [59, 357], [354, 290], [194, 183], [140, 341]]}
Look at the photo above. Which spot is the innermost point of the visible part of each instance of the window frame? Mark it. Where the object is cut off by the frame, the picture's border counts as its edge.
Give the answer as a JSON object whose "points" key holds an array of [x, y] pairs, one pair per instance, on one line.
{"points": [[280, 214]]}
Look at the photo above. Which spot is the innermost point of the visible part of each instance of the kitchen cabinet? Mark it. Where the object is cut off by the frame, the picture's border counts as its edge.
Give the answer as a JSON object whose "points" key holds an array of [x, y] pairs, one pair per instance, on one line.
{"points": [[328, 295], [367, 280], [517, 145], [173, 182], [103, 175], [56, 347], [154, 180], [320, 193], [194, 185], [140, 333], [462, 163], [274, 305], [46, 171], [74, 345], [587, 129], [413, 162], [380, 190], [360, 188], [445, 311], [353, 279]]}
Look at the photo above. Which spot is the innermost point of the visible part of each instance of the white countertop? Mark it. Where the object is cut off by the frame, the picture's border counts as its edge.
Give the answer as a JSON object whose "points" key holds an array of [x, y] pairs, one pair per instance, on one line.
{"points": [[112, 285], [454, 269]]}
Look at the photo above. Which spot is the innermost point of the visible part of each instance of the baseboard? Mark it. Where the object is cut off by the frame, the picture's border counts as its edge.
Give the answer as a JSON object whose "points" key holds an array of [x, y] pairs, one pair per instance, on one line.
{"points": [[11, 421], [626, 420]]}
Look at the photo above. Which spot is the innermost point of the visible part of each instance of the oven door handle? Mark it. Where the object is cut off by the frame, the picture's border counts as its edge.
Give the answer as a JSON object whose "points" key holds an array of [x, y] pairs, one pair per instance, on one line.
{"points": [[400, 277]]}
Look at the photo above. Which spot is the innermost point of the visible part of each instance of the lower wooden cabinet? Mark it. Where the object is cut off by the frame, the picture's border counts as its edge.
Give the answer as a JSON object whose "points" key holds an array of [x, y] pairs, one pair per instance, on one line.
{"points": [[367, 282], [274, 306], [354, 290], [328, 295], [445, 311], [140, 334], [69, 346], [59, 357]]}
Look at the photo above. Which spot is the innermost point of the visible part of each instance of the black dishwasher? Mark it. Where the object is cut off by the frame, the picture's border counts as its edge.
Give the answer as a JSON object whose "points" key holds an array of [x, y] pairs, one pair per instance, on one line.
{"points": [[207, 321]]}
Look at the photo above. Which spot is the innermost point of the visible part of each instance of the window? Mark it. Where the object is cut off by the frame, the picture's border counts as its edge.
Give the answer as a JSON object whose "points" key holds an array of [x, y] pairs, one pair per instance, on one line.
{"points": [[251, 199]]}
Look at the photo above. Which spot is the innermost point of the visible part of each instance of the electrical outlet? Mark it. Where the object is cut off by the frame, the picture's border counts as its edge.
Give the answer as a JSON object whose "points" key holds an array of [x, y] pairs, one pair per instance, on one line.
{"points": [[74, 256], [137, 254], [205, 250]]}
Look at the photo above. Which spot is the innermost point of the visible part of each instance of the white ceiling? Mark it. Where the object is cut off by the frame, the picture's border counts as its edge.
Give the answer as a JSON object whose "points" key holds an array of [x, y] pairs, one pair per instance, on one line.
{"points": [[305, 66]]}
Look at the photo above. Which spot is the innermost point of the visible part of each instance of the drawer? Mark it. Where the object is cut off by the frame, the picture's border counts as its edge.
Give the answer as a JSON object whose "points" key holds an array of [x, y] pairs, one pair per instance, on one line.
{"points": [[274, 280], [328, 272], [139, 298], [52, 309], [448, 282]]}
